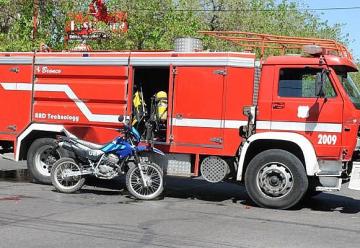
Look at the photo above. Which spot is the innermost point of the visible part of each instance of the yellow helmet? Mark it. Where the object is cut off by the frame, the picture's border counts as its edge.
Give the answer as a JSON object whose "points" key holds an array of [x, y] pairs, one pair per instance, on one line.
{"points": [[161, 95]]}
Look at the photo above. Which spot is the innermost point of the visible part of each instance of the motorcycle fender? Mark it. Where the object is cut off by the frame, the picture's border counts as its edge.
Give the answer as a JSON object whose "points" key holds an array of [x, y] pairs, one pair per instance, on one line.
{"points": [[158, 151], [149, 149], [142, 149], [66, 145]]}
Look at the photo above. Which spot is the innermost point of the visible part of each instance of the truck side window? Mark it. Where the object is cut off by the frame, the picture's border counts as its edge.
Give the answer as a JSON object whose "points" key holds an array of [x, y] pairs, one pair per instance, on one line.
{"points": [[301, 82]]}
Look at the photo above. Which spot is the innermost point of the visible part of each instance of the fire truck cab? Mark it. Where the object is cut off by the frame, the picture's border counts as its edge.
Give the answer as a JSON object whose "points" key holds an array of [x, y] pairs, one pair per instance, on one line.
{"points": [[286, 126]]}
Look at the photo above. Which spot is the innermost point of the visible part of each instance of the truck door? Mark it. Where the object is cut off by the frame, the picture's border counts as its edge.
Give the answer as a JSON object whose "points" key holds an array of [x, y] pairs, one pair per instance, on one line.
{"points": [[296, 108], [15, 94], [197, 116]]}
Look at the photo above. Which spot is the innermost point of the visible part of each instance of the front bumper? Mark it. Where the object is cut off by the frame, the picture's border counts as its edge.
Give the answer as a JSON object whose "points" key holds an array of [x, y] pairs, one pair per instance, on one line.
{"points": [[355, 176]]}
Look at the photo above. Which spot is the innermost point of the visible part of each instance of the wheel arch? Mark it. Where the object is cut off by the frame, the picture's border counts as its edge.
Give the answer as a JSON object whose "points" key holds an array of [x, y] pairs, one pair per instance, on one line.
{"points": [[32, 133], [294, 143]]}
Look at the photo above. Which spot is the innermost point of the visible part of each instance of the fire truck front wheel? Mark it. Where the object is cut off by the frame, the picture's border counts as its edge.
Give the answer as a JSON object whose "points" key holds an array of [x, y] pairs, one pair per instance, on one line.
{"points": [[40, 157], [276, 179]]}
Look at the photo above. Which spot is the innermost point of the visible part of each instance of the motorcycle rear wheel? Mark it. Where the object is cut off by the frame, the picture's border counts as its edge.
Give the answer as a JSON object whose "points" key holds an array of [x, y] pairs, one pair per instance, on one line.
{"points": [[154, 179], [66, 184]]}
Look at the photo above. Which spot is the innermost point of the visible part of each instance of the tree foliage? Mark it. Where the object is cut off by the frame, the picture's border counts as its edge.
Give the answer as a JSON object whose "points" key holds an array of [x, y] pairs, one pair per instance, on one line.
{"points": [[154, 24], [356, 76]]}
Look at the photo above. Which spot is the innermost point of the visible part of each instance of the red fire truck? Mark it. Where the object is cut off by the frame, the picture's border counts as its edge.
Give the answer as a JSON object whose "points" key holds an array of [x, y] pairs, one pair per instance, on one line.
{"points": [[287, 126]]}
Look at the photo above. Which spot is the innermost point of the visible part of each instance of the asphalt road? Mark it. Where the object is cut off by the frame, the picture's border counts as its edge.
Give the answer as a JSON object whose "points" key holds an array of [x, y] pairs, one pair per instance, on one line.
{"points": [[192, 213]]}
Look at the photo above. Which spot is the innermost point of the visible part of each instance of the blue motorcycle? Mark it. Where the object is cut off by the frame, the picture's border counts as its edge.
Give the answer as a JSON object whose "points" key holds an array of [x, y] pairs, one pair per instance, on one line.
{"points": [[144, 179]]}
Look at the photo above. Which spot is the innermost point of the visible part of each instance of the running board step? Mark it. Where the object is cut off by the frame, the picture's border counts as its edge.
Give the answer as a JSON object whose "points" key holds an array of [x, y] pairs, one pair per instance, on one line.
{"points": [[328, 174], [327, 189], [330, 185], [7, 158]]}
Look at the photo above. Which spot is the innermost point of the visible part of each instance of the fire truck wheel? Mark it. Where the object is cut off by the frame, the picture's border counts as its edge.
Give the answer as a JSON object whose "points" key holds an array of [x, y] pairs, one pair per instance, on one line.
{"points": [[41, 157], [311, 192], [276, 179]]}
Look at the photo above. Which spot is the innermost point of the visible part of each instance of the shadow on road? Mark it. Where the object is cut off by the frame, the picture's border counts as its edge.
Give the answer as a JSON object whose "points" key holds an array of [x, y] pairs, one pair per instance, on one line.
{"points": [[15, 176], [185, 188], [327, 202], [202, 190], [222, 194]]}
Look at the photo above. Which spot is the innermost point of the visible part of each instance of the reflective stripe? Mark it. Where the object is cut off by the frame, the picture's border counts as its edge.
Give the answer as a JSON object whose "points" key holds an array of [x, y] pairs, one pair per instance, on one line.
{"points": [[148, 61], [207, 123], [267, 125], [16, 60], [299, 126], [82, 61], [68, 91], [193, 61], [234, 124], [196, 123]]}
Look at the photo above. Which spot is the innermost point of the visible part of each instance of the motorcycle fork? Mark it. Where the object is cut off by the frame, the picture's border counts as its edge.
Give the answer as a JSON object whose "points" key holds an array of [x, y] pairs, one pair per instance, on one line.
{"points": [[137, 160]]}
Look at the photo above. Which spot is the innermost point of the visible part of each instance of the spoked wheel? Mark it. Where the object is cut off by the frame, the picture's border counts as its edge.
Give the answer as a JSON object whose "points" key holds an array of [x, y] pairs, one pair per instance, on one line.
{"points": [[63, 178], [153, 177]]}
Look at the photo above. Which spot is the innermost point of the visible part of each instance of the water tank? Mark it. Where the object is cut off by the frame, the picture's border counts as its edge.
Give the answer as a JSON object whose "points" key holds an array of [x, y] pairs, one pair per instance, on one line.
{"points": [[188, 44]]}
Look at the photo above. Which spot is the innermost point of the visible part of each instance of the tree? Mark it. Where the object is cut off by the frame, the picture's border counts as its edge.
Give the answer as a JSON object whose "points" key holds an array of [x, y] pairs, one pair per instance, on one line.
{"points": [[154, 24], [356, 76]]}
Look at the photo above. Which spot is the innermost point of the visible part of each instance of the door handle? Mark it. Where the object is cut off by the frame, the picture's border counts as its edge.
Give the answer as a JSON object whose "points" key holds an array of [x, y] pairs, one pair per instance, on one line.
{"points": [[217, 140], [14, 69], [278, 105], [12, 127]]}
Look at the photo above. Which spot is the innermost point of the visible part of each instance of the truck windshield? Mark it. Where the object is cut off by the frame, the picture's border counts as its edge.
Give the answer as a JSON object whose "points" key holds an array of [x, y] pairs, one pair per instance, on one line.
{"points": [[350, 87]]}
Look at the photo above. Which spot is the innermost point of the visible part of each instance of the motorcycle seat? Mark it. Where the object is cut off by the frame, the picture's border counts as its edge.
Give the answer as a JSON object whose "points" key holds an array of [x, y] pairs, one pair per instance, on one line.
{"points": [[90, 145]]}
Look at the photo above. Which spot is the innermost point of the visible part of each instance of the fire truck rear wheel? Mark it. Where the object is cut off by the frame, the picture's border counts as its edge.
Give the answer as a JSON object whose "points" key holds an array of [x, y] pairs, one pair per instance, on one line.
{"points": [[276, 179], [41, 157]]}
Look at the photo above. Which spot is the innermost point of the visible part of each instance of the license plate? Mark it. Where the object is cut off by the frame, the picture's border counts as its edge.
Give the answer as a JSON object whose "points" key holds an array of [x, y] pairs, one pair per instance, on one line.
{"points": [[355, 177]]}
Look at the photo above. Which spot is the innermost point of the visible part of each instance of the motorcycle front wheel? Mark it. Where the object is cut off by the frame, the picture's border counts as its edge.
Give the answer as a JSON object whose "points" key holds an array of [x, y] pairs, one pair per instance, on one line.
{"points": [[153, 184], [61, 176]]}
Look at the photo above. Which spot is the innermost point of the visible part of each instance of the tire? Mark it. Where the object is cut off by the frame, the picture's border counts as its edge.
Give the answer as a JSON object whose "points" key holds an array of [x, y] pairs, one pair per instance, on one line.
{"points": [[276, 179], [40, 160], [133, 181], [311, 192], [62, 185]]}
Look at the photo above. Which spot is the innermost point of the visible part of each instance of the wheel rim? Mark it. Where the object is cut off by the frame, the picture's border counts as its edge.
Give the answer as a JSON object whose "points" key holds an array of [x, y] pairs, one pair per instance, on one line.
{"points": [[275, 180], [60, 175], [45, 157], [153, 181]]}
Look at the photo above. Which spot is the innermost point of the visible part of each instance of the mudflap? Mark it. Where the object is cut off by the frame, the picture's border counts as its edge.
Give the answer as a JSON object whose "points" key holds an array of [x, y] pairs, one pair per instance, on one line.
{"points": [[355, 177]]}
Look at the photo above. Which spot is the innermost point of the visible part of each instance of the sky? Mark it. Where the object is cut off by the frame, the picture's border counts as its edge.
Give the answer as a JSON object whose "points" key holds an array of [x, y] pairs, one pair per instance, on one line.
{"points": [[349, 18]]}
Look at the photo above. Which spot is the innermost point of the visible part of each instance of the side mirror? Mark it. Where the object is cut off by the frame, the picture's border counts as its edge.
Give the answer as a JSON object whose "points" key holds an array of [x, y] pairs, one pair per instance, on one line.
{"points": [[319, 84], [249, 112]]}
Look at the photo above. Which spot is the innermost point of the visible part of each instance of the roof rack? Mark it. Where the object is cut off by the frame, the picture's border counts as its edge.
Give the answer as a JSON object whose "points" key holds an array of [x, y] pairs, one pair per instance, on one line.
{"points": [[251, 41]]}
